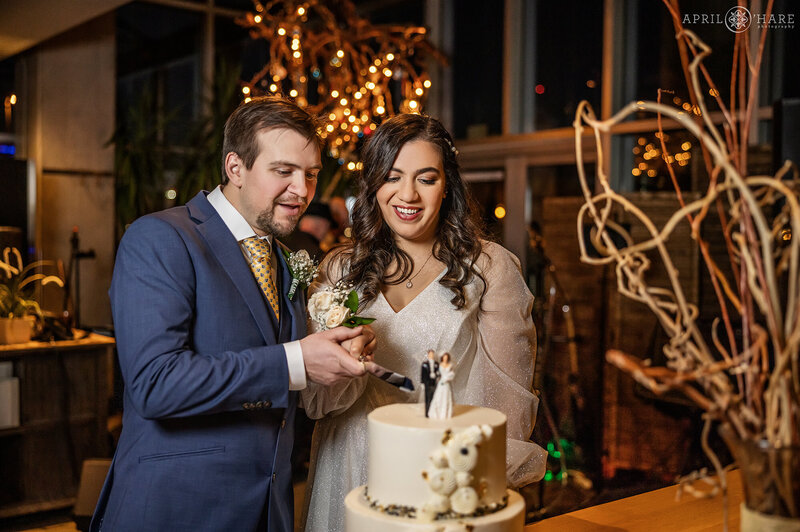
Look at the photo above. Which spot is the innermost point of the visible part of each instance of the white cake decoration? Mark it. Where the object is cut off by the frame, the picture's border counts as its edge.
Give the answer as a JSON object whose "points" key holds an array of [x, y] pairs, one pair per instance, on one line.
{"points": [[449, 478]]}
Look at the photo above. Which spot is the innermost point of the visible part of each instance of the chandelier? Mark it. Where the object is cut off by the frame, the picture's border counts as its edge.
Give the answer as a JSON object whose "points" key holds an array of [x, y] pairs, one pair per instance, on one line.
{"points": [[339, 66]]}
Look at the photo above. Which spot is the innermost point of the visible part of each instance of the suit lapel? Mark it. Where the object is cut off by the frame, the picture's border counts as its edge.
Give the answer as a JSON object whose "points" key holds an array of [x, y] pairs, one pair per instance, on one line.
{"points": [[227, 251]]}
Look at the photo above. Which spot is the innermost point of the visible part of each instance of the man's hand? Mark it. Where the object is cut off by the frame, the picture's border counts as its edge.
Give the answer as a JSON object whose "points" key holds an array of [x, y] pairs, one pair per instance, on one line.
{"points": [[326, 361], [362, 346]]}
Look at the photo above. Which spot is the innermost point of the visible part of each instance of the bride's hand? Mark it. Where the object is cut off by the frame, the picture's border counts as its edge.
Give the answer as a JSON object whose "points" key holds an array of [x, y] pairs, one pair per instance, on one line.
{"points": [[362, 346]]}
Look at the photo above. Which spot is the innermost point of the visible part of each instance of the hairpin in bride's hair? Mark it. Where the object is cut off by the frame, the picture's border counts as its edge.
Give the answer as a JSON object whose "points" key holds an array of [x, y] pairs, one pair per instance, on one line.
{"points": [[452, 148]]}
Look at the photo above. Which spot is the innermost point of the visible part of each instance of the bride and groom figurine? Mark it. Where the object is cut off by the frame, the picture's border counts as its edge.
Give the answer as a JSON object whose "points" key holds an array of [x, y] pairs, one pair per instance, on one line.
{"points": [[436, 376]]}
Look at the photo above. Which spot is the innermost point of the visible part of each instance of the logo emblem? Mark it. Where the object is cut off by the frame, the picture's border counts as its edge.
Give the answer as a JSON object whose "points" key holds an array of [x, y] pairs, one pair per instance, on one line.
{"points": [[738, 19]]}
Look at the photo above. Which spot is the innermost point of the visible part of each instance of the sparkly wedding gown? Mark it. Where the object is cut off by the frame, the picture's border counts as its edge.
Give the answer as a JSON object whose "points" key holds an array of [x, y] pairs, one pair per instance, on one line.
{"points": [[493, 350]]}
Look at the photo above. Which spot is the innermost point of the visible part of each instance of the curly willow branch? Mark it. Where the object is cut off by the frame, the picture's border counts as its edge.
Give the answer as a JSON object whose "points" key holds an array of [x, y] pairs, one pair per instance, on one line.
{"points": [[764, 404]]}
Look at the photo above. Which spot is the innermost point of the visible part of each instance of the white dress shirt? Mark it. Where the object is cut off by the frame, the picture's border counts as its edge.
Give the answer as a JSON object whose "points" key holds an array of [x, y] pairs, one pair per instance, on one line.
{"points": [[241, 229]]}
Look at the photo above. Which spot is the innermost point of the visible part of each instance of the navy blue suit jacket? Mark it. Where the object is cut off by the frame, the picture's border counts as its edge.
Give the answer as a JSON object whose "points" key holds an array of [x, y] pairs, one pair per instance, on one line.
{"points": [[208, 419]]}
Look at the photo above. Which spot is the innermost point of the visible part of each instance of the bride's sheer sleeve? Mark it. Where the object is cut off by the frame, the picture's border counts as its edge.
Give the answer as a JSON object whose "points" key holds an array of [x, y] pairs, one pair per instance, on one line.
{"points": [[319, 400], [502, 371]]}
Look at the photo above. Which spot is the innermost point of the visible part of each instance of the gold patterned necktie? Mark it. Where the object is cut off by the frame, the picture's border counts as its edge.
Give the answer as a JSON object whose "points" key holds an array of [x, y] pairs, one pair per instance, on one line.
{"points": [[261, 265]]}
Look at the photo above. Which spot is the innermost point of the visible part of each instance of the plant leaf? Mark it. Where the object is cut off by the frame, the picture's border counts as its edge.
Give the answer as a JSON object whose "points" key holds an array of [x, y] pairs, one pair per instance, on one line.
{"points": [[355, 321], [352, 302]]}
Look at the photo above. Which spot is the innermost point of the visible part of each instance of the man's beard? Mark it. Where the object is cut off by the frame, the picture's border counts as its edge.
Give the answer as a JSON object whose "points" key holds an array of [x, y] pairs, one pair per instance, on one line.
{"points": [[266, 218]]}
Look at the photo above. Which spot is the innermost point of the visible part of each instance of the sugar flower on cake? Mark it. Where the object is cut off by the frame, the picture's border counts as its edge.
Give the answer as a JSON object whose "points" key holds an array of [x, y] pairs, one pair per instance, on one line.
{"points": [[450, 474], [334, 306]]}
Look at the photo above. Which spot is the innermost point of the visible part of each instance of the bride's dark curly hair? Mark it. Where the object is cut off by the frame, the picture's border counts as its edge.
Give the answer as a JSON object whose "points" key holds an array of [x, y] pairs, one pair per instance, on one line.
{"points": [[458, 236]]}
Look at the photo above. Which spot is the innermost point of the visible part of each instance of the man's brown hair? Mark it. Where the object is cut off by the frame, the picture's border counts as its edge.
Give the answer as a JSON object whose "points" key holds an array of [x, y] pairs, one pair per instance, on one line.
{"points": [[262, 113]]}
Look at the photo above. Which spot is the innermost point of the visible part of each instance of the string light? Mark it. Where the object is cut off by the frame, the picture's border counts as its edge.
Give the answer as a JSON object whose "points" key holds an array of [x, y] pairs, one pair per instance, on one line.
{"points": [[362, 73]]}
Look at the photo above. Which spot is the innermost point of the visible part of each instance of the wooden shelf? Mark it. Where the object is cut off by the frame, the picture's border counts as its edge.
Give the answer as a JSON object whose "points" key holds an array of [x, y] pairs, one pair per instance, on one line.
{"points": [[64, 391]]}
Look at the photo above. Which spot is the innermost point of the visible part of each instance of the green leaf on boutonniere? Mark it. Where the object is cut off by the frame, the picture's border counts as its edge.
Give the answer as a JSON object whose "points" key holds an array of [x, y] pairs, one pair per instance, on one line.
{"points": [[355, 321], [352, 302]]}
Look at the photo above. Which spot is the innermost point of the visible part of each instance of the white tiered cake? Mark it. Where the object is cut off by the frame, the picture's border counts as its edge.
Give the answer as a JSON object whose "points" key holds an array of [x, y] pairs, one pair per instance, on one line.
{"points": [[435, 474]]}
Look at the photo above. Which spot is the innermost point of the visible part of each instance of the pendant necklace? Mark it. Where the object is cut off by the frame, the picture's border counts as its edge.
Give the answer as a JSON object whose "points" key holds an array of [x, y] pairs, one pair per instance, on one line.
{"points": [[409, 284]]}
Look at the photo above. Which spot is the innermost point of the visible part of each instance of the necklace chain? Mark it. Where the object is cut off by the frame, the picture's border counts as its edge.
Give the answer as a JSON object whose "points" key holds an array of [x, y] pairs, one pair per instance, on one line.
{"points": [[409, 284]]}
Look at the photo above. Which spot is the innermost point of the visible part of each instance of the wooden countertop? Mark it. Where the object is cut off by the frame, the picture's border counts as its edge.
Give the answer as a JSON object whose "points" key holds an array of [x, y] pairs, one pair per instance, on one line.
{"points": [[82, 339], [654, 510]]}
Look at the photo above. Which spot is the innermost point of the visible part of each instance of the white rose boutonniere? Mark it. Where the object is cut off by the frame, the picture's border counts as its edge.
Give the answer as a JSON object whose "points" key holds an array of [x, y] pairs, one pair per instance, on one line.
{"points": [[335, 306], [303, 269]]}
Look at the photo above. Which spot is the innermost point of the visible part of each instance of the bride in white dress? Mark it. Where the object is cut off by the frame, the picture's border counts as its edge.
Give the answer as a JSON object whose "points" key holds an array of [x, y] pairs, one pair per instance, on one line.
{"points": [[422, 270], [442, 402]]}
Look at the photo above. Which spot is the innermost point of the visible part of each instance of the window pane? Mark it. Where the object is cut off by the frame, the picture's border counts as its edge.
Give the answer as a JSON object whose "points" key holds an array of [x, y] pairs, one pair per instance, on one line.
{"points": [[478, 68], [652, 61], [565, 60]]}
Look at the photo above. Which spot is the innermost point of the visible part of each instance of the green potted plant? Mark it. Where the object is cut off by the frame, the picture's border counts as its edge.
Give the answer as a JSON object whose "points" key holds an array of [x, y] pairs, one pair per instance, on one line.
{"points": [[18, 308]]}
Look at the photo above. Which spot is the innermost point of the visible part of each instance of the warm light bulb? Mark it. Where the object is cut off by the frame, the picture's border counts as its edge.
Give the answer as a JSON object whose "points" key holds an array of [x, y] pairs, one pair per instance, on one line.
{"points": [[370, 85], [170, 194], [293, 93], [351, 119], [686, 145], [297, 55], [419, 91], [351, 166], [389, 57], [281, 31], [12, 99], [329, 127], [257, 18], [334, 94], [332, 116], [413, 104], [357, 95], [499, 212], [427, 83], [245, 90], [346, 112], [356, 129], [247, 99], [372, 69], [380, 110], [301, 11], [339, 53], [343, 101], [387, 72], [273, 88]]}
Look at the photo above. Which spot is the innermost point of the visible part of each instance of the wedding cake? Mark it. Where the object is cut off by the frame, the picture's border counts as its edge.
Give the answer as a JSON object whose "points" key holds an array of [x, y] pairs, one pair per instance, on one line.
{"points": [[435, 474]]}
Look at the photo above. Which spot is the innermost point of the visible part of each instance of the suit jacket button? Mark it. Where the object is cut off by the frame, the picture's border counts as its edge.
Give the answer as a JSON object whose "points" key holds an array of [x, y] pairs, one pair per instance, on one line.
{"points": [[274, 476], [283, 423], [259, 404], [247, 406], [267, 404]]}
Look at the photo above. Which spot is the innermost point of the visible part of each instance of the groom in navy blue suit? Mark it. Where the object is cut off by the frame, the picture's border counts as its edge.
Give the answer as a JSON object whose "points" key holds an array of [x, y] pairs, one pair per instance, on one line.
{"points": [[212, 358]]}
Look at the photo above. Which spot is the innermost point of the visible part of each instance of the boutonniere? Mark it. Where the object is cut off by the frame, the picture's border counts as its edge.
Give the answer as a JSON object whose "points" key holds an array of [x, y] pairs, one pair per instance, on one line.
{"points": [[302, 268], [336, 306]]}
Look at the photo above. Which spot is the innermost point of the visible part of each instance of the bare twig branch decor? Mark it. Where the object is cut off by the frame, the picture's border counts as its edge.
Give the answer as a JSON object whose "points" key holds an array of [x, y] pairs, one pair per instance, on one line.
{"points": [[748, 378]]}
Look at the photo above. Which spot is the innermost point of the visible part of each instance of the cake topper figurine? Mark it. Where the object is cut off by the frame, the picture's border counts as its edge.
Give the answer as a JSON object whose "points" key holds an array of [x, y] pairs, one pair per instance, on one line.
{"points": [[429, 377], [441, 405]]}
